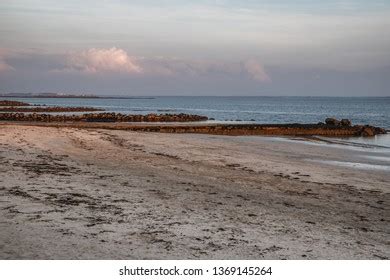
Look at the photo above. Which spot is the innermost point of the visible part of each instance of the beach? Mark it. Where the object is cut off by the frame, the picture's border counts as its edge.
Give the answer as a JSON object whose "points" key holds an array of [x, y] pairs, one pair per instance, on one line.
{"points": [[71, 193]]}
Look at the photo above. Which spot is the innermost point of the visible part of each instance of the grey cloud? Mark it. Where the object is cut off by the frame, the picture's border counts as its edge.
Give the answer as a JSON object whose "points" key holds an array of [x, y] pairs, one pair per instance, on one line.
{"points": [[4, 66], [172, 67]]}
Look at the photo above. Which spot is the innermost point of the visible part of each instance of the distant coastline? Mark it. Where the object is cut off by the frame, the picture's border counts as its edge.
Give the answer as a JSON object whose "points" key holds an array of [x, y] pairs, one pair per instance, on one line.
{"points": [[61, 95]]}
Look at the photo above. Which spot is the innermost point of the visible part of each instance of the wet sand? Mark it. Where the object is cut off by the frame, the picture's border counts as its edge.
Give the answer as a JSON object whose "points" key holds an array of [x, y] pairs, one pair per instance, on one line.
{"points": [[69, 193]]}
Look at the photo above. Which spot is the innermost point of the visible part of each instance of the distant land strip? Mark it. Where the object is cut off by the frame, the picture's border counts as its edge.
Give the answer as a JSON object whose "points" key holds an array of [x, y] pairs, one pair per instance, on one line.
{"points": [[42, 109], [56, 95]]}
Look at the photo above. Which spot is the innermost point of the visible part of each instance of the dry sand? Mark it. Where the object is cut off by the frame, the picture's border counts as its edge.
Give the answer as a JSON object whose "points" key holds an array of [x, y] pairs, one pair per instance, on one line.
{"points": [[69, 193]]}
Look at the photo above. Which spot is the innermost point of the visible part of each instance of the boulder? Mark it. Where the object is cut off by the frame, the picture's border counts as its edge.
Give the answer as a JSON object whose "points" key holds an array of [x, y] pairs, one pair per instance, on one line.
{"points": [[368, 131], [345, 122], [379, 130], [332, 121]]}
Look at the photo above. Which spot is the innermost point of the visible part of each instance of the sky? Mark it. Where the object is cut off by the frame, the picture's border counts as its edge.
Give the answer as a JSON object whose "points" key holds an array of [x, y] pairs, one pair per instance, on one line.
{"points": [[172, 47]]}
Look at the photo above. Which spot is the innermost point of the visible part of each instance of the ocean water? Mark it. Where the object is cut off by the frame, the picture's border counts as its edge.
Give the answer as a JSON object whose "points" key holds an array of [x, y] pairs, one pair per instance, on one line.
{"points": [[361, 110]]}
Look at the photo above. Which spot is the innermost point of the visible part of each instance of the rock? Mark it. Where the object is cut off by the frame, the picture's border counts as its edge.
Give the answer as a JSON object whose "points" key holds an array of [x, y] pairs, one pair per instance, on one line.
{"points": [[320, 123], [368, 131], [345, 122], [379, 130], [332, 121]]}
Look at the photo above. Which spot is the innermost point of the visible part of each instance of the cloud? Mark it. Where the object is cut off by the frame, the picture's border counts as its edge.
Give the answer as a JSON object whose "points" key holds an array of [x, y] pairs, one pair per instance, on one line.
{"points": [[175, 67], [102, 61], [4, 66], [166, 66], [256, 71], [115, 60]]}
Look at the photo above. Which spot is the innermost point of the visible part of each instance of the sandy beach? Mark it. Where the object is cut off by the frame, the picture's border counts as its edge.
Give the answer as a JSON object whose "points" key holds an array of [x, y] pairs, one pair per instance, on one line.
{"points": [[69, 193]]}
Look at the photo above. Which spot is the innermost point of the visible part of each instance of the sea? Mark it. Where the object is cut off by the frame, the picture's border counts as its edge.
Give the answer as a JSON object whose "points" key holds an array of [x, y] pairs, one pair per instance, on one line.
{"points": [[361, 110]]}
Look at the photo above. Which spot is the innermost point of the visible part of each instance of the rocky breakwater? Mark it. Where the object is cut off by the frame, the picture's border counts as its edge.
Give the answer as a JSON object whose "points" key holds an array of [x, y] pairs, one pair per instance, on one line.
{"points": [[49, 109], [341, 129], [361, 130], [128, 122], [260, 129], [101, 117], [9, 103]]}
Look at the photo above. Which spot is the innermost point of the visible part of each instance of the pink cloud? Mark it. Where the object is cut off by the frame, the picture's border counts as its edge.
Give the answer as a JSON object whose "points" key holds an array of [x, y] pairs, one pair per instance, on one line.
{"points": [[116, 60], [256, 71], [103, 60], [4, 66]]}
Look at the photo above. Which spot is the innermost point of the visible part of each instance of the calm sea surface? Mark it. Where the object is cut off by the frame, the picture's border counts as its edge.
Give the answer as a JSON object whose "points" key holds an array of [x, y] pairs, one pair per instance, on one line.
{"points": [[367, 110]]}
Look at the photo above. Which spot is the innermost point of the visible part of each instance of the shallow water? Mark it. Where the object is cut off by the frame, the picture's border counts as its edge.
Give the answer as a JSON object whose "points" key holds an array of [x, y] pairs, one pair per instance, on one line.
{"points": [[372, 153], [368, 153], [378, 141]]}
